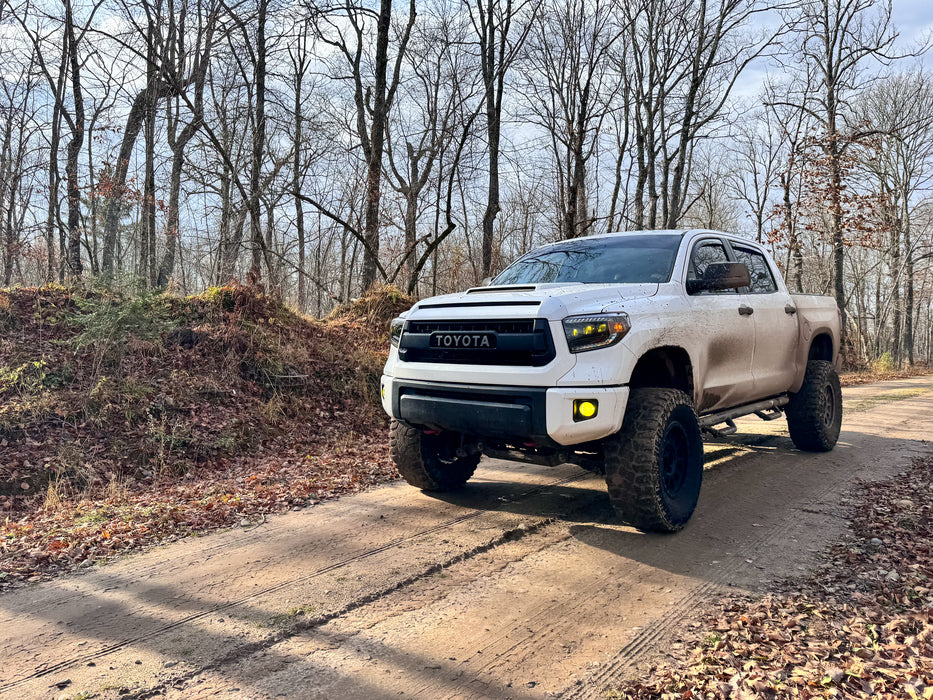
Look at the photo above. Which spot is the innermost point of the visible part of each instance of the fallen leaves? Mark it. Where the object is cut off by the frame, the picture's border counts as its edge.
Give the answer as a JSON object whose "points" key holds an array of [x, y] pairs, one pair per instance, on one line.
{"points": [[244, 409], [46, 541], [870, 376], [853, 630]]}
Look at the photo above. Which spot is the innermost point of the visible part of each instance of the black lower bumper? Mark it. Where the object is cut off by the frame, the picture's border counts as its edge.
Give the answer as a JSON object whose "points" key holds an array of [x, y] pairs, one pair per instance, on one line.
{"points": [[497, 412]]}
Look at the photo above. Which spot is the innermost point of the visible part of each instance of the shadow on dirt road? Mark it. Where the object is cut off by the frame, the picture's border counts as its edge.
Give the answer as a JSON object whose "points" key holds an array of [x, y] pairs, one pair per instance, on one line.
{"points": [[523, 585]]}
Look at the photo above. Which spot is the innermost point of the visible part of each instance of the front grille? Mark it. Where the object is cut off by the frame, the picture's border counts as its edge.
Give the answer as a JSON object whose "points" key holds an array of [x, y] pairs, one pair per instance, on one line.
{"points": [[521, 342], [471, 326]]}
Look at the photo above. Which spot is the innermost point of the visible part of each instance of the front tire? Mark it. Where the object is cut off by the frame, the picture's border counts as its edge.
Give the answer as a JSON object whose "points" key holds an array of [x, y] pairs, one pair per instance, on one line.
{"points": [[430, 462], [814, 414], [654, 464]]}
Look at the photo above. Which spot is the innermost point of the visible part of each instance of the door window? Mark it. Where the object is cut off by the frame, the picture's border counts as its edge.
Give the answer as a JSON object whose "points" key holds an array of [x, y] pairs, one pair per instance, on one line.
{"points": [[758, 270], [705, 253]]}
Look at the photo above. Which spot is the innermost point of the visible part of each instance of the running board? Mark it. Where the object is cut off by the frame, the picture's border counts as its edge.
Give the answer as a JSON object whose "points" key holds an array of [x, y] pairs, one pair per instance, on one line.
{"points": [[728, 429], [769, 409]]}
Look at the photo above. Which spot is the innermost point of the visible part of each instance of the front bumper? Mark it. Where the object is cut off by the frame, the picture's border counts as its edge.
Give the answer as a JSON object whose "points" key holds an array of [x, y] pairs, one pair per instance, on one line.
{"points": [[515, 413]]}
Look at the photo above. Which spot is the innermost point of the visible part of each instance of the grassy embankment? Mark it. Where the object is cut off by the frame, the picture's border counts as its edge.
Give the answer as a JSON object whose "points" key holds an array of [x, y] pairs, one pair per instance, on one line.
{"points": [[131, 421]]}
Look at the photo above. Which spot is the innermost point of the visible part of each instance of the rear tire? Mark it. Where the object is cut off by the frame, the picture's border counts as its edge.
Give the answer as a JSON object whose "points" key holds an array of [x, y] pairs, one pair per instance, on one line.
{"points": [[814, 414], [654, 464], [430, 462]]}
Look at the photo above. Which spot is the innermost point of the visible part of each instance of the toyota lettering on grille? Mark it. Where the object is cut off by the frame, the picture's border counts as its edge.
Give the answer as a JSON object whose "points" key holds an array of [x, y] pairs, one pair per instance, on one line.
{"points": [[464, 340]]}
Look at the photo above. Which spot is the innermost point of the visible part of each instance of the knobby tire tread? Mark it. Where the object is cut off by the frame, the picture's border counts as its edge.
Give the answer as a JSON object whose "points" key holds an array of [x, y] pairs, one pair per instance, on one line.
{"points": [[631, 459], [805, 423], [422, 469]]}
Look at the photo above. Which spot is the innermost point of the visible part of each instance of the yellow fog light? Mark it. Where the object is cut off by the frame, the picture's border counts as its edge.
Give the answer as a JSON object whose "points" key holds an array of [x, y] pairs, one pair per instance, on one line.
{"points": [[383, 391], [584, 409]]}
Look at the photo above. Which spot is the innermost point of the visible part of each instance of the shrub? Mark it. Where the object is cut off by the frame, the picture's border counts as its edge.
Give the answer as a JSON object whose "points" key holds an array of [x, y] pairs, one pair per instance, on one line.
{"points": [[883, 364]]}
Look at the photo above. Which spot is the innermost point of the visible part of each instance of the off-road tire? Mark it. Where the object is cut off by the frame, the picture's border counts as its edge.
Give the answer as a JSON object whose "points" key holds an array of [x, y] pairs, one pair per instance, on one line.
{"points": [[427, 461], [654, 464], [814, 414]]}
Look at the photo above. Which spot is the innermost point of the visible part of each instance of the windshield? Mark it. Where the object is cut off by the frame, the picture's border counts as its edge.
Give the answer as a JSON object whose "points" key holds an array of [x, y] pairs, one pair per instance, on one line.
{"points": [[626, 259]]}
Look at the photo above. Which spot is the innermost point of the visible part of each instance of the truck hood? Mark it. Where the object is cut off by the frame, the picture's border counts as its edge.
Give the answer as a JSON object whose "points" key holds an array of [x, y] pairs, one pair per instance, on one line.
{"points": [[553, 301]]}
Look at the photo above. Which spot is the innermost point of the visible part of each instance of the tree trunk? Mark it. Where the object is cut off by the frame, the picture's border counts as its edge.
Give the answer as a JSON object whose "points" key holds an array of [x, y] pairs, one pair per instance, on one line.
{"points": [[117, 185], [908, 344], [74, 149], [259, 141], [52, 211], [377, 145], [493, 130], [299, 207], [147, 270], [167, 266], [835, 215], [895, 281], [411, 237], [640, 148]]}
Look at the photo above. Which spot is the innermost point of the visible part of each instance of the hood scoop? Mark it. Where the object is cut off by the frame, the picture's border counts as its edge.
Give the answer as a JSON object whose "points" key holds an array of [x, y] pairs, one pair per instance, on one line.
{"points": [[506, 288], [462, 304]]}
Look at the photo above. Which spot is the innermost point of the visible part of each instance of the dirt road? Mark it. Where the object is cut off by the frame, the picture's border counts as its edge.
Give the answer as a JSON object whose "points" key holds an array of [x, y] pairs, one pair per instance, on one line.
{"points": [[523, 586]]}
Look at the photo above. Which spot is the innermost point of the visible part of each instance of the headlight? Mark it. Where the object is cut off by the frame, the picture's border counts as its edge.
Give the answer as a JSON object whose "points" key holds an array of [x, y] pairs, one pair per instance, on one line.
{"points": [[395, 330], [596, 331]]}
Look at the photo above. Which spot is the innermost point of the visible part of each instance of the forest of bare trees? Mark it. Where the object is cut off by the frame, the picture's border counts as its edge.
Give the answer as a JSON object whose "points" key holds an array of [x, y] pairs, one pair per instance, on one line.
{"points": [[320, 148]]}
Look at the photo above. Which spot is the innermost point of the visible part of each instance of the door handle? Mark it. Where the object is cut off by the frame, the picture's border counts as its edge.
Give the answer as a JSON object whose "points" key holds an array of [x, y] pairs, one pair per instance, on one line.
{"points": [[746, 310], [790, 309]]}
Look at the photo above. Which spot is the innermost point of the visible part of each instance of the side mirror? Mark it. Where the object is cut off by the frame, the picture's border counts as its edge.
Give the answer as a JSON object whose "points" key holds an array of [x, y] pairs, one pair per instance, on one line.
{"points": [[486, 282], [721, 275]]}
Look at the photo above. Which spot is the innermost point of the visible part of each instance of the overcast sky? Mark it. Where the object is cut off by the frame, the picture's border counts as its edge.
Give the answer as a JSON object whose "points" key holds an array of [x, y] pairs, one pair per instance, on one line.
{"points": [[914, 20]]}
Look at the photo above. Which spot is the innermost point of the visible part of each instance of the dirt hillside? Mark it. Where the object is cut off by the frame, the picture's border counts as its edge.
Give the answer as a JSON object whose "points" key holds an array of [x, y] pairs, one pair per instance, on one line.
{"points": [[126, 421]]}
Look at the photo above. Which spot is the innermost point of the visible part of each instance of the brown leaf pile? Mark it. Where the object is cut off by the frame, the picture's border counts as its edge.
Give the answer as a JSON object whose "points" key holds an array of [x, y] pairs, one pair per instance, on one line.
{"points": [[862, 627], [870, 376], [128, 422], [377, 306]]}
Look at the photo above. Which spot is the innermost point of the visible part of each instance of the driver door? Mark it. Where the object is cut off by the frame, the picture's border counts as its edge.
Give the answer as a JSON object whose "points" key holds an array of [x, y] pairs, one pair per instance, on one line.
{"points": [[726, 335]]}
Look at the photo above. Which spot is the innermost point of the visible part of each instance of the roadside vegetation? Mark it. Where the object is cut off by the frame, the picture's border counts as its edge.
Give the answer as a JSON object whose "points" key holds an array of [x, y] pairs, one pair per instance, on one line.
{"points": [[129, 421], [881, 370], [861, 627]]}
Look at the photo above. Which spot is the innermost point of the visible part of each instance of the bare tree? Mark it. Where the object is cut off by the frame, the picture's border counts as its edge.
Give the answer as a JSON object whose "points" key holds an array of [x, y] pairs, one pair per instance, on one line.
{"points": [[19, 134], [438, 91], [571, 90], [164, 78], [900, 108], [837, 39], [70, 110], [790, 118], [756, 150], [492, 23], [180, 53], [686, 58], [373, 102], [300, 56]]}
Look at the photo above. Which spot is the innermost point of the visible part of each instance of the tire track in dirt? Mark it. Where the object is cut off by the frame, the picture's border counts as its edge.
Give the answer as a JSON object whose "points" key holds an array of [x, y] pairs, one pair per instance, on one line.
{"points": [[533, 629], [666, 625], [527, 632], [554, 545], [285, 584]]}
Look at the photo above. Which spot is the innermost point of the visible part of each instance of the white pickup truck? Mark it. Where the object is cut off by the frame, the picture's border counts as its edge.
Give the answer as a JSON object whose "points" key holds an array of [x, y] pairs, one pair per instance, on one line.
{"points": [[612, 352]]}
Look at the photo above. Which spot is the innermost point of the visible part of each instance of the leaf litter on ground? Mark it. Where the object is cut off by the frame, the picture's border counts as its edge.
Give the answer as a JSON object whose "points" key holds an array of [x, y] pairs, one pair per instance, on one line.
{"points": [[860, 627], [129, 422]]}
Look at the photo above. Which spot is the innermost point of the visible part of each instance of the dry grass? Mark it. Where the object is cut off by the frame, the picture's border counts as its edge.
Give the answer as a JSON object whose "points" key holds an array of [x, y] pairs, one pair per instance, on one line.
{"points": [[164, 415]]}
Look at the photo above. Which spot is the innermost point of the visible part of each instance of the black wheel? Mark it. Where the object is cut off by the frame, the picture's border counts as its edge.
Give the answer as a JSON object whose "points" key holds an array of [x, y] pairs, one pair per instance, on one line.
{"points": [[814, 414], [654, 464], [430, 461]]}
